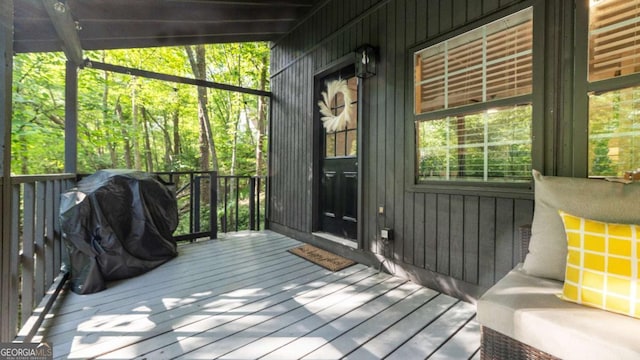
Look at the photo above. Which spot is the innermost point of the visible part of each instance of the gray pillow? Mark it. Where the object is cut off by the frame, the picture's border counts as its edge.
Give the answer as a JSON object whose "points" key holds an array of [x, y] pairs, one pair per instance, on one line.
{"points": [[588, 198]]}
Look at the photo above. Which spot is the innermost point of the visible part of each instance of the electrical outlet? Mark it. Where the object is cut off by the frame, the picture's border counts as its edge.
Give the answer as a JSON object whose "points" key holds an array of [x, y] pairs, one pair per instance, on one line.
{"points": [[386, 234], [380, 210]]}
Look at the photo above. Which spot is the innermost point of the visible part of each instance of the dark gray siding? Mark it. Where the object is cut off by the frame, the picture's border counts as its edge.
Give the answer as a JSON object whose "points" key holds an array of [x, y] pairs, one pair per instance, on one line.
{"points": [[461, 236]]}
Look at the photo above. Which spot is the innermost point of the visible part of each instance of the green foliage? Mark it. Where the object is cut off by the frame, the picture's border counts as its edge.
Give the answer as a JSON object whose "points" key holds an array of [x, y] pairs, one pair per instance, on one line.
{"points": [[126, 121], [493, 146], [614, 132], [38, 113]]}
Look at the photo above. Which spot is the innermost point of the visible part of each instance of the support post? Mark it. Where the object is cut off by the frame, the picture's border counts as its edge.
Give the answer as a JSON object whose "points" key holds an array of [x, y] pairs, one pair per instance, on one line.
{"points": [[71, 119], [8, 327], [195, 204], [252, 203], [213, 204]]}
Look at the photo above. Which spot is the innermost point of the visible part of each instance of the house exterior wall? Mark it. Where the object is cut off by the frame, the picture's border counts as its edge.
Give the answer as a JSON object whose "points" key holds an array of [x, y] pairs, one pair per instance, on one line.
{"points": [[460, 240]]}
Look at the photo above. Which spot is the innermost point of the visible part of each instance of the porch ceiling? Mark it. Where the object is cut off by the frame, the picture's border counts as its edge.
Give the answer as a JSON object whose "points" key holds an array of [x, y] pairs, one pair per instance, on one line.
{"points": [[121, 24]]}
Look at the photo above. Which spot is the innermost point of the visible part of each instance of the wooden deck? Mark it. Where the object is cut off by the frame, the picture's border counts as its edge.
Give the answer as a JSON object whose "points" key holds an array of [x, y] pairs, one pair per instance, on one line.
{"points": [[245, 297]]}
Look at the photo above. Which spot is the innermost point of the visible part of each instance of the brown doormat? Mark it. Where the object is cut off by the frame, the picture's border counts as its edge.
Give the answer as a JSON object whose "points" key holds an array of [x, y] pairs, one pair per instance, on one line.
{"points": [[321, 257]]}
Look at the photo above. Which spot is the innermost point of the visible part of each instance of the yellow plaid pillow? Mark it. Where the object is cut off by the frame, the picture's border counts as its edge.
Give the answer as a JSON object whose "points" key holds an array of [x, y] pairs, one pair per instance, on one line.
{"points": [[602, 265]]}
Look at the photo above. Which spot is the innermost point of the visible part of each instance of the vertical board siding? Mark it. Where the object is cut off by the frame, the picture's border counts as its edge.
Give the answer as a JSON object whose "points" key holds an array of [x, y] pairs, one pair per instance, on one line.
{"points": [[456, 248], [470, 239], [418, 230], [504, 237], [390, 167], [399, 123], [467, 237], [430, 231], [443, 249], [487, 241], [379, 23]]}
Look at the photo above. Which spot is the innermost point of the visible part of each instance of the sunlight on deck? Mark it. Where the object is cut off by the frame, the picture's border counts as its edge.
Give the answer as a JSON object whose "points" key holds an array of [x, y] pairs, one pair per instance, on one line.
{"points": [[246, 297]]}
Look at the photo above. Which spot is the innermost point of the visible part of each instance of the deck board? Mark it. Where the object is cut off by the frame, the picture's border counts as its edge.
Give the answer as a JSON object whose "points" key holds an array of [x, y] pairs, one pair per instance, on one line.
{"points": [[245, 297]]}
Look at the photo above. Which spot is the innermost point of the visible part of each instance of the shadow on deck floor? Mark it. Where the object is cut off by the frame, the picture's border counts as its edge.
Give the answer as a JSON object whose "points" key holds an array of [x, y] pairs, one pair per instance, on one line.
{"points": [[245, 297]]}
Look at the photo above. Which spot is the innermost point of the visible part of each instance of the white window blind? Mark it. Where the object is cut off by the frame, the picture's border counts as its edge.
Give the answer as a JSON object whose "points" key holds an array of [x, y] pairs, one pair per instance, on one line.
{"points": [[489, 63], [614, 38], [614, 51]]}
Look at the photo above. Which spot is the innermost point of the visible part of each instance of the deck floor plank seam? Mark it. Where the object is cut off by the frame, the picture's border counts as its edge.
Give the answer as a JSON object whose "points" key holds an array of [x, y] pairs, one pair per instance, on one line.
{"points": [[153, 347], [117, 288], [436, 332], [165, 305], [252, 277], [387, 341], [225, 346], [302, 326], [175, 319], [257, 315], [244, 296], [301, 346], [194, 279]]}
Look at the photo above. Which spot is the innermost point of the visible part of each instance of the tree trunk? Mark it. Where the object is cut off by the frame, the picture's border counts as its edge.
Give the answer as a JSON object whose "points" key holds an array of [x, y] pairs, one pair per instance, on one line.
{"points": [[167, 144], [262, 119], [234, 151], [166, 137], [125, 135], [199, 67], [24, 159], [105, 116], [176, 135], [147, 142], [137, 159]]}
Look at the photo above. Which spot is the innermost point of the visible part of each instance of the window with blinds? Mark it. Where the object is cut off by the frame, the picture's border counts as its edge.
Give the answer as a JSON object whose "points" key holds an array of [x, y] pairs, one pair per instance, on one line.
{"points": [[614, 38], [485, 146], [489, 63], [613, 52], [614, 132], [461, 135]]}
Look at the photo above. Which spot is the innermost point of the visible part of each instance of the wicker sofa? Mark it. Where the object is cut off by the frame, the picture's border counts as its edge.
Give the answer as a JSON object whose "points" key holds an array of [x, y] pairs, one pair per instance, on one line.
{"points": [[522, 316]]}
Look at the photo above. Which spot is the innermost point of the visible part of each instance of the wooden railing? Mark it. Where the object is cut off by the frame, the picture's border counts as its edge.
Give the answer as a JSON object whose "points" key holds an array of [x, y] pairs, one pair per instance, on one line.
{"points": [[35, 247], [35, 275]]}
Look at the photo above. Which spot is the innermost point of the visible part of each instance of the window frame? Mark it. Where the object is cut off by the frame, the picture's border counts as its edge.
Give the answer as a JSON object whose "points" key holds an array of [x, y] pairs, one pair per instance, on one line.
{"points": [[582, 89], [515, 190]]}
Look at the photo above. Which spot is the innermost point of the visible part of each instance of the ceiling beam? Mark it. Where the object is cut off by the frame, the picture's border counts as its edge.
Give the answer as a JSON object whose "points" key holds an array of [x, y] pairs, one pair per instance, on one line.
{"points": [[65, 26]]}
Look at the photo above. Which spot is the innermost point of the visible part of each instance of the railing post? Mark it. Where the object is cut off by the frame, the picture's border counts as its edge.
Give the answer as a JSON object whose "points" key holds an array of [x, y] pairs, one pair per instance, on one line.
{"points": [[237, 201], [226, 199], [191, 196], [213, 204], [195, 207], [252, 203]]}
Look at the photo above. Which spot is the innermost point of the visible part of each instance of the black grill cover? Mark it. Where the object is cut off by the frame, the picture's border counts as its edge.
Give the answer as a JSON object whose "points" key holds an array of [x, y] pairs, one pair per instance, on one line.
{"points": [[116, 224]]}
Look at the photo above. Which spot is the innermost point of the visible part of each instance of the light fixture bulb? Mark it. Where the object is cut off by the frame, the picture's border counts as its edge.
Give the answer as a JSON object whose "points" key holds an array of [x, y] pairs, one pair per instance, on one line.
{"points": [[60, 7]]}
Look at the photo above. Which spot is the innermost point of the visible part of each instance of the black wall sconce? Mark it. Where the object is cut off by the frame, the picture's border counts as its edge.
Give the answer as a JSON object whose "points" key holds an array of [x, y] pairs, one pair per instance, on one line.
{"points": [[366, 58]]}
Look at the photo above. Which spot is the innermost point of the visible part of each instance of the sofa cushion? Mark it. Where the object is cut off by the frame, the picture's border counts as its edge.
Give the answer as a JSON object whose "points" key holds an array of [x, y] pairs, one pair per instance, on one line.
{"points": [[602, 265], [529, 310], [593, 199]]}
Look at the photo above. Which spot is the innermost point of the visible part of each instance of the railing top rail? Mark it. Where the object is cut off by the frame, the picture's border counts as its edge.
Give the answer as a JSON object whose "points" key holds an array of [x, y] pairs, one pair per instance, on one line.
{"points": [[182, 172], [21, 179], [207, 173]]}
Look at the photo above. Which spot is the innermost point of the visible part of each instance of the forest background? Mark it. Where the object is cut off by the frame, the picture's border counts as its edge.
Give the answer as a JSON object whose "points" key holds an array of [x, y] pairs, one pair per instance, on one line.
{"points": [[132, 122]]}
